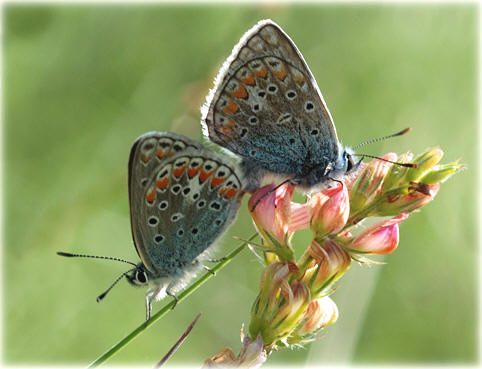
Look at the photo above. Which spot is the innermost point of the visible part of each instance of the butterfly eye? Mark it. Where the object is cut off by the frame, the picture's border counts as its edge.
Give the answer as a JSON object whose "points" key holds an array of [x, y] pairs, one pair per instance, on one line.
{"points": [[350, 163], [141, 277]]}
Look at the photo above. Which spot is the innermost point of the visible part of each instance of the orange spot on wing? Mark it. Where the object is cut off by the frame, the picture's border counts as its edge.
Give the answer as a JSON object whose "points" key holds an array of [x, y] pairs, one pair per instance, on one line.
{"points": [[191, 172], [162, 183], [227, 129], [299, 79], [178, 171], [204, 175], [216, 181], [240, 92], [262, 72], [145, 158], [231, 108], [230, 193], [249, 80], [281, 73], [151, 195], [161, 153]]}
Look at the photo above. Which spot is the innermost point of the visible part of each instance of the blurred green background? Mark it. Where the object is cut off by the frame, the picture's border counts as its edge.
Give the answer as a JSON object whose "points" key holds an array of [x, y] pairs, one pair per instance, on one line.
{"points": [[82, 82]]}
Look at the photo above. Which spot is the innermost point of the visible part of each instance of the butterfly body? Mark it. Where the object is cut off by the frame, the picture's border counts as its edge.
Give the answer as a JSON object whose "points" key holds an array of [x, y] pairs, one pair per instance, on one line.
{"points": [[182, 197], [266, 107]]}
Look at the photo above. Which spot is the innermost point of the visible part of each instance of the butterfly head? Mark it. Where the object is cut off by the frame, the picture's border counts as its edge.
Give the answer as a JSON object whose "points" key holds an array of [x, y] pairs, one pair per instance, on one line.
{"points": [[346, 164], [139, 276]]}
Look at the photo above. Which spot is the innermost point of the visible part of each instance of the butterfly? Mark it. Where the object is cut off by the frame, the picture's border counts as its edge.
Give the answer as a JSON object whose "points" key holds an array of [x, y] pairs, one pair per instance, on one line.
{"points": [[266, 107], [182, 197]]}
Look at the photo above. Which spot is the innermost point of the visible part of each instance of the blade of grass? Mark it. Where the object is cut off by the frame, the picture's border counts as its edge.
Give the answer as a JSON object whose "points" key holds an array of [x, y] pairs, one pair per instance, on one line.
{"points": [[178, 343], [109, 353]]}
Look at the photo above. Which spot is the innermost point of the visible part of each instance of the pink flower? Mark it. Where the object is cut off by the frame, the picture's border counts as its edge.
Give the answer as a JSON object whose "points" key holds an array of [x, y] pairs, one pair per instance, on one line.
{"points": [[381, 238], [319, 314], [329, 210], [300, 217], [330, 262], [270, 208]]}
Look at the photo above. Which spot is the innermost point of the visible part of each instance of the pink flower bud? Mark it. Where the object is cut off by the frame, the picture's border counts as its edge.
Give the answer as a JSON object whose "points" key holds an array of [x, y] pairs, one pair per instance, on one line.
{"points": [[381, 238], [319, 314], [270, 208], [300, 217], [330, 262], [329, 210]]}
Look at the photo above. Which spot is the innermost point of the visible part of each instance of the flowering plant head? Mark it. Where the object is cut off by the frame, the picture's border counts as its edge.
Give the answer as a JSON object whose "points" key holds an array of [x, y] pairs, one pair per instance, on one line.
{"points": [[293, 303]]}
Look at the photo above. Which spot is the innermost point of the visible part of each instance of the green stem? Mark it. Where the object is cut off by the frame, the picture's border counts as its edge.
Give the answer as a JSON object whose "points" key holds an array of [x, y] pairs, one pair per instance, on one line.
{"points": [[109, 353]]}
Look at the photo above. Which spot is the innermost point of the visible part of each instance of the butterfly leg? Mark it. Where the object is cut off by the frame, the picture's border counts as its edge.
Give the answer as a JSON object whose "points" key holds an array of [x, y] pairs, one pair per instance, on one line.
{"points": [[217, 260], [169, 293], [148, 307], [209, 270], [335, 180]]}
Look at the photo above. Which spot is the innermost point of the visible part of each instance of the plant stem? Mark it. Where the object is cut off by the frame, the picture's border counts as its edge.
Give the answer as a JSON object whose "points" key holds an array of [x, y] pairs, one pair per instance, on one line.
{"points": [[109, 353]]}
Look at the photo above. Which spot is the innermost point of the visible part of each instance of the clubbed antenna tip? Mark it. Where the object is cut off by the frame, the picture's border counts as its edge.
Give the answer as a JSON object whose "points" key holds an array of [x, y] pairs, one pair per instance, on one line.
{"points": [[61, 253], [101, 296], [406, 130]]}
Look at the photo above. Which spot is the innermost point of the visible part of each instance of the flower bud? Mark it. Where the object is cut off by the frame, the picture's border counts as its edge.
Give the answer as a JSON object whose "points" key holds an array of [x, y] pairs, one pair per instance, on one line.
{"points": [[270, 208], [289, 314], [319, 314], [396, 174], [381, 238], [273, 279], [369, 182], [440, 173], [424, 162], [329, 210], [418, 196], [279, 304], [330, 262]]}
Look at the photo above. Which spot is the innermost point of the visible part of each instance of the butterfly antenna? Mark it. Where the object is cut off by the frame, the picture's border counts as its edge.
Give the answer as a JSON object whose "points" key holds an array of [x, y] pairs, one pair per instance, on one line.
{"points": [[102, 295], [407, 165], [406, 130], [69, 255]]}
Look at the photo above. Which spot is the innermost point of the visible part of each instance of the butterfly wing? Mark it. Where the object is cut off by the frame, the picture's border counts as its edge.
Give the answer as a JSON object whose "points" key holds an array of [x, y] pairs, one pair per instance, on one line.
{"points": [[266, 105], [182, 196]]}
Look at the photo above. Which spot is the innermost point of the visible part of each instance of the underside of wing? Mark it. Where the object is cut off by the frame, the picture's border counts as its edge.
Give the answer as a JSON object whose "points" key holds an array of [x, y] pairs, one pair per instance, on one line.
{"points": [[267, 107], [179, 203]]}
